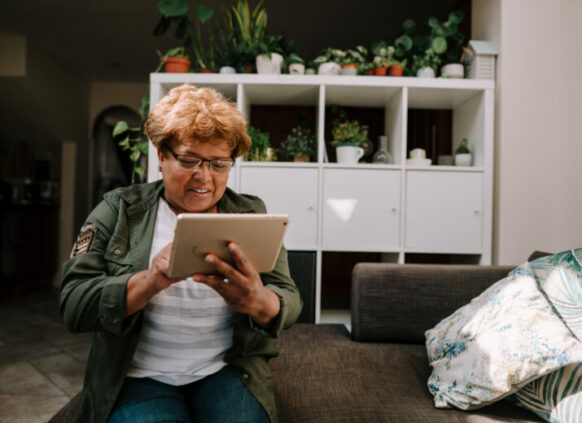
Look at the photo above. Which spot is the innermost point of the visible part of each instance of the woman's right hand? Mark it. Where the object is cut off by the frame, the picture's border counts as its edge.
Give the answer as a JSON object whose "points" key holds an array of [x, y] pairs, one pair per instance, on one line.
{"points": [[145, 284]]}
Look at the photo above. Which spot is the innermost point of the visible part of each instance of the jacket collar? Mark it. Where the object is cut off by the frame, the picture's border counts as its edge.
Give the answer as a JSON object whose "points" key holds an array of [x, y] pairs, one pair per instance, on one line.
{"points": [[578, 255], [231, 202], [141, 197]]}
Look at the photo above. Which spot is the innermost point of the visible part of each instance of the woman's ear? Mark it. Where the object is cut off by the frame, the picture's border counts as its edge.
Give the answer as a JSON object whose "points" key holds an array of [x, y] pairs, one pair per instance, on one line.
{"points": [[161, 158]]}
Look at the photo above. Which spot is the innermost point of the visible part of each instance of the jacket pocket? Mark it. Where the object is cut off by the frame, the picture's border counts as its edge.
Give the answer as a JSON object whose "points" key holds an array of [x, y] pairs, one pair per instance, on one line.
{"points": [[118, 256]]}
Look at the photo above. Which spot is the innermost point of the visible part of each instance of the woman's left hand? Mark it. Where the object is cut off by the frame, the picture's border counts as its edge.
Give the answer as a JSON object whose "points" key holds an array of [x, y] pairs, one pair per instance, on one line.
{"points": [[243, 290]]}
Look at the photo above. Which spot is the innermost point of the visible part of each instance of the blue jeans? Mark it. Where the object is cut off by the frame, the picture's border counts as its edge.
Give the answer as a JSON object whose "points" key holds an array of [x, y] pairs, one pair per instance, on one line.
{"points": [[220, 397]]}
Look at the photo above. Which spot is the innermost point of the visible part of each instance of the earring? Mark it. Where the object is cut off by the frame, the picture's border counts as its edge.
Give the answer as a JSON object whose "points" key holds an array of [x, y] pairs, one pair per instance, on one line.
{"points": [[159, 168]]}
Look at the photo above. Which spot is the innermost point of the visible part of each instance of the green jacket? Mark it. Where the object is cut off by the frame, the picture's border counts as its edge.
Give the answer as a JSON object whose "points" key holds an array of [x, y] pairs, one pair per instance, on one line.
{"points": [[117, 241]]}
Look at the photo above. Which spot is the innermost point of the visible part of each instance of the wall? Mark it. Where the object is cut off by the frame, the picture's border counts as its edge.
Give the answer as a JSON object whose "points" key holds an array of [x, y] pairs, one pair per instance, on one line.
{"points": [[49, 104], [537, 192]]}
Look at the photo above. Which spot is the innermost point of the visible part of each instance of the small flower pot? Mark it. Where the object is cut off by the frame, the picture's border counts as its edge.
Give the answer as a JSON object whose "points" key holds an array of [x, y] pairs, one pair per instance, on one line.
{"points": [[453, 70], [227, 70], [250, 68], [425, 73], [296, 69], [463, 159], [395, 70], [349, 69], [329, 68], [176, 65], [299, 157], [380, 71]]}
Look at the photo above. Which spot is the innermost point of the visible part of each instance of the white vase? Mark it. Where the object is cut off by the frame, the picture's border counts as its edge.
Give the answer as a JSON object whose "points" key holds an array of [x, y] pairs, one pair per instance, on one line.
{"points": [[463, 159], [296, 69], [329, 68], [349, 154], [269, 66], [453, 70], [425, 73], [227, 70]]}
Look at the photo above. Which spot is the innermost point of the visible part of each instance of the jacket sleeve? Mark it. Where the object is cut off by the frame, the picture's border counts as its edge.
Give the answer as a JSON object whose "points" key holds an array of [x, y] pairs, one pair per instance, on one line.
{"points": [[93, 287], [280, 282]]}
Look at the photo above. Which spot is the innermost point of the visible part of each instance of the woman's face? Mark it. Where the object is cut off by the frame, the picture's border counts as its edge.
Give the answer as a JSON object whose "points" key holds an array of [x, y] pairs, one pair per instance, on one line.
{"points": [[198, 190]]}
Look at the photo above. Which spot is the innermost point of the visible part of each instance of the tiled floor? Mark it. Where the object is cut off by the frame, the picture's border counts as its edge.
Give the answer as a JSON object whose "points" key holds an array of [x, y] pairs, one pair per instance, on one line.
{"points": [[41, 363]]}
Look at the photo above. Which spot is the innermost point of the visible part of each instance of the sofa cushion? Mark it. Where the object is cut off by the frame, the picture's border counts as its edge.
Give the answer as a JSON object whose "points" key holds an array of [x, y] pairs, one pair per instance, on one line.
{"points": [[322, 375], [556, 397], [399, 302], [505, 338]]}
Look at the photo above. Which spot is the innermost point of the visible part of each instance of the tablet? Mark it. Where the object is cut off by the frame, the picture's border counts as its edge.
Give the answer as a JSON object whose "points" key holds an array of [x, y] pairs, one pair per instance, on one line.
{"points": [[260, 237]]}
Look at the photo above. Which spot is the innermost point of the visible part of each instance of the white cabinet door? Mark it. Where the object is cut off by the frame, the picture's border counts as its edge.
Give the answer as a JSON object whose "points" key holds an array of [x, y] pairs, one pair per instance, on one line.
{"points": [[361, 209], [444, 212], [289, 191]]}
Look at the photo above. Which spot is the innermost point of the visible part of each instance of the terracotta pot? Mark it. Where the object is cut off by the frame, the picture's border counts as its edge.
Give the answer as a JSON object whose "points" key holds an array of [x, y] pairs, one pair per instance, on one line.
{"points": [[249, 68], [370, 71], [176, 65], [207, 71], [395, 70], [380, 71], [298, 157]]}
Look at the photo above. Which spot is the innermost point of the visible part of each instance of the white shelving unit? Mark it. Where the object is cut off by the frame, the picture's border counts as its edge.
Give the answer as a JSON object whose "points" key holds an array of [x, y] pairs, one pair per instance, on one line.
{"points": [[392, 209]]}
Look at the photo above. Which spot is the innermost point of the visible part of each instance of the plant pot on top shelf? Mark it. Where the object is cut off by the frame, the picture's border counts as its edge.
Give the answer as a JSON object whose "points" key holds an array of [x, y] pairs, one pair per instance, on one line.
{"points": [[349, 69], [174, 61], [395, 70], [266, 65], [380, 70]]}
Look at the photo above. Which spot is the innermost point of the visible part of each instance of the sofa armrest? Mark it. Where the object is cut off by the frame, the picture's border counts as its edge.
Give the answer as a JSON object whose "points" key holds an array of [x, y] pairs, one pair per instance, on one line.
{"points": [[399, 302]]}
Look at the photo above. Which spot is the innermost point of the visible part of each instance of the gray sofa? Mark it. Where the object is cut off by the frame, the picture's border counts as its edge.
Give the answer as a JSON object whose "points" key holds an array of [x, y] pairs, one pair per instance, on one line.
{"points": [[377, 373]]}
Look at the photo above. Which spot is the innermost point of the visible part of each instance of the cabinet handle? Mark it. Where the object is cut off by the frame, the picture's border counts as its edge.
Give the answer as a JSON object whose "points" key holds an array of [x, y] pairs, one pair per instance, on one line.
{"points": [[393, 209], [310, 208], [476, 212]]}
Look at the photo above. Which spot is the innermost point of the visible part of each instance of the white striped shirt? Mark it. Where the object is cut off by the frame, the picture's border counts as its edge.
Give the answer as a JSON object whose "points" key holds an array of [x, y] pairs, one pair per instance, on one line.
{"points": [[187, 327]]}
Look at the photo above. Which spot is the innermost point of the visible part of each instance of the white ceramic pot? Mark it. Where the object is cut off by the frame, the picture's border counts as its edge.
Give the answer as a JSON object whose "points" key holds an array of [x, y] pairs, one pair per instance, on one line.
{"points": [[269, 66], [309, 71], [348, 154], [425, 73], [453, 70], [227, 70], [349, 71], [329, 68], [463, 159], [296, 69]]}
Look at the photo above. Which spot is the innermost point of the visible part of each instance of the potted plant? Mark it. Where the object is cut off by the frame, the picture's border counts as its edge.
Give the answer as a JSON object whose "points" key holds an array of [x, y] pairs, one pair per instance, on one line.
{"points": [[348, 138], [260, 144], [328, 61], [247, 31], [269, 59], [295, 64], [352, 59], [463, 154], [382, 57], [396, 67], [174, 61], [427, 63], [300, 144]]}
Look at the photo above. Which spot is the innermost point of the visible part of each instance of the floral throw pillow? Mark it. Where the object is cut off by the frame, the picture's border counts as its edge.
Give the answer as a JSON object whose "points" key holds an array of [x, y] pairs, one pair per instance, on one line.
{"points": [[502, 340], [555, 397]]}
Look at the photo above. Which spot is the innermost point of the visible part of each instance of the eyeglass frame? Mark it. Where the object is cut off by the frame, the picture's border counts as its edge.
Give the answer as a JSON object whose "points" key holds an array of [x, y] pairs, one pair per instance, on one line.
{"points": [[201, 161]]}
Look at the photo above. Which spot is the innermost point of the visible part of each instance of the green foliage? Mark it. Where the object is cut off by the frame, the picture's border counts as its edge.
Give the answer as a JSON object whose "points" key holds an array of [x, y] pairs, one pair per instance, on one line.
{"points": [[301, 140], [247, 29], [382, 54], [189, 30], [259, 144], [463, 148], [428, 60], [132, 140], [355, 56], [348, 133]]}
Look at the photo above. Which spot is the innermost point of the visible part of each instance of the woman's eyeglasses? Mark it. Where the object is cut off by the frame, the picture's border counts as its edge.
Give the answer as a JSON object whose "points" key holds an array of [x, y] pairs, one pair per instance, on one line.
{"points": [[191, 162]]}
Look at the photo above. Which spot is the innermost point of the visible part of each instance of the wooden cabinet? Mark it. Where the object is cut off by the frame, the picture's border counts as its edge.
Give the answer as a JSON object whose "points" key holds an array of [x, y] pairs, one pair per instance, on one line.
{"points": [[395, 211]]}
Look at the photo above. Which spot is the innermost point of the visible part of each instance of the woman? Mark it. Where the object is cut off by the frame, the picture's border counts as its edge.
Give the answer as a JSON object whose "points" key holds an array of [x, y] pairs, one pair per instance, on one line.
{"points": [[165, 349]]}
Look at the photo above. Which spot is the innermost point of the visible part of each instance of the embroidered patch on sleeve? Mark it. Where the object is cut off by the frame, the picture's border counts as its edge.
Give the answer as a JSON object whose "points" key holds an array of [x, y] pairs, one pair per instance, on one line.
{"points": [[84, 240]]}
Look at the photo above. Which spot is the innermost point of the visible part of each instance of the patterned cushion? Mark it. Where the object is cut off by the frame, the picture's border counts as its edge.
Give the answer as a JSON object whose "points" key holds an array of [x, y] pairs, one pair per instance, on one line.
{"points": [[555, 397], [502, 340]]}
